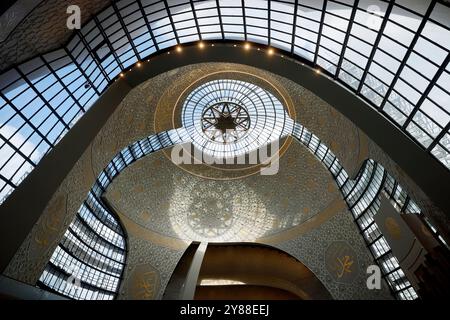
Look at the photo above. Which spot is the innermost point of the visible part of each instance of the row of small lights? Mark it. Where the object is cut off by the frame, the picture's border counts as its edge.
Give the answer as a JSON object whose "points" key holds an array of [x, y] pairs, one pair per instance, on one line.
{"points": [[202, 45]]}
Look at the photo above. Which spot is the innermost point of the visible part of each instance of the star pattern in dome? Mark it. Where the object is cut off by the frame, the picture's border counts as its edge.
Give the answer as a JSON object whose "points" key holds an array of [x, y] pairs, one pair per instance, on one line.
{"points": [[225, 122]]}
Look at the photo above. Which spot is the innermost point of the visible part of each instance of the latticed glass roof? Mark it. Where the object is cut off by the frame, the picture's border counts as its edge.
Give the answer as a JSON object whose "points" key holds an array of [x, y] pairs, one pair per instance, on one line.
{"points": [[392, 54], [259, 116]]}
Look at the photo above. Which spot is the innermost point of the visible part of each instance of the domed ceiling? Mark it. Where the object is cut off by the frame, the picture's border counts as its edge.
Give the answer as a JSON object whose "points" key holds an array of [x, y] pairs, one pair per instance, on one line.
{"points": [[199, 202], [164, 206], [159, 196]]}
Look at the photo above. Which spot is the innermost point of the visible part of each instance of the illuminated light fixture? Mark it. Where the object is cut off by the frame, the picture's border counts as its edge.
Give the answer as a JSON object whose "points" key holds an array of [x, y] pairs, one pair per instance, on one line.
{"points": [[201, 45], [258, 49], [212, 45], [247, 46], [270, 51], [138, 64], [168, 52], [234, 45], [122, 75], [179, 49], [220, 282], [318, 71]]}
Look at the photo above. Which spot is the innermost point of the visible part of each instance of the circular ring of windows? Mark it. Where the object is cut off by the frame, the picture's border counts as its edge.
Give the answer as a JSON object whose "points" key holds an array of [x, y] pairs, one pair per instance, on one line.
{"points": [[226, 118]]}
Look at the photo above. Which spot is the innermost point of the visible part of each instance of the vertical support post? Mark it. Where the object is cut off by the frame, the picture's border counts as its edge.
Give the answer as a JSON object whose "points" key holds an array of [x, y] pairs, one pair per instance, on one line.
{"points": [[190, 284]]}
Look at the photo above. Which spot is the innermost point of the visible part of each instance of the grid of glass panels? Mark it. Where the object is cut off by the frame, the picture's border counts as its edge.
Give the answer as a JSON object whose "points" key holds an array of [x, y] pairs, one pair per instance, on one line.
{"points": [[267, 116], [394, 54], [405, 205], [40, 100], [88, 262], [362, 198]]}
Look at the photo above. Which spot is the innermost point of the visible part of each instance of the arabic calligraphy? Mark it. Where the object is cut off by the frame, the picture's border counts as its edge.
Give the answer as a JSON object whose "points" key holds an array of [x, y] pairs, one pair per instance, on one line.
{"points": [[344, 265], [341, 262]]}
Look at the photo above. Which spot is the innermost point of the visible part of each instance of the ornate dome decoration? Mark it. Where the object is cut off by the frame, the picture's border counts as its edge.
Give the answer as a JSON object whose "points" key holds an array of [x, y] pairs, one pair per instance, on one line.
{"points": [[225, 122], [226, 118]]}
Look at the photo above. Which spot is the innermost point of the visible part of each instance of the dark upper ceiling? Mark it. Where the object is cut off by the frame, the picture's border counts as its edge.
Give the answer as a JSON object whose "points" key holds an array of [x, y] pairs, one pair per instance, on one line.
{"points": [[40, 29], [6, 5]]}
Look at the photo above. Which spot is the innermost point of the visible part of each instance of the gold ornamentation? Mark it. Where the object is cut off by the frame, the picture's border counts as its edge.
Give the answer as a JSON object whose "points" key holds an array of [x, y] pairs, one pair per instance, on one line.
{"points": [[160, 121], [290, 179], [393, 228], [139, 188], [341, 262], [129, 118], [291, 161], [49, 225], [425, 231], [141, 126], [145, 216], [331, 187], [143, 283], [115, 195], [146, 286], [285, 203], [311, 184], [311, 161], [334, 146], [156, 163], [88, 175], [344, 265]]}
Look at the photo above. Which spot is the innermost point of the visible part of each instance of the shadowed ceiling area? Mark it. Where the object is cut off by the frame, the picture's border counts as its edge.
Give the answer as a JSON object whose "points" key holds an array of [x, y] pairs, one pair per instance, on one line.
{"points": [[259, 272]]}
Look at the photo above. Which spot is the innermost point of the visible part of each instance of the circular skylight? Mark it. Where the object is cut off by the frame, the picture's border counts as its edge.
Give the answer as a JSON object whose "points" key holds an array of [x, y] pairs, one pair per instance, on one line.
{"points": [[226, 118], [225, 122]]}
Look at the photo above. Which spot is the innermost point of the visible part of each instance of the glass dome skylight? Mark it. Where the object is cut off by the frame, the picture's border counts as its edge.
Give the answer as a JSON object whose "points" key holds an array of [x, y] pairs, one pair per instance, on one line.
{"points": [[393, 54], [227, 118], [225, 122]]}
